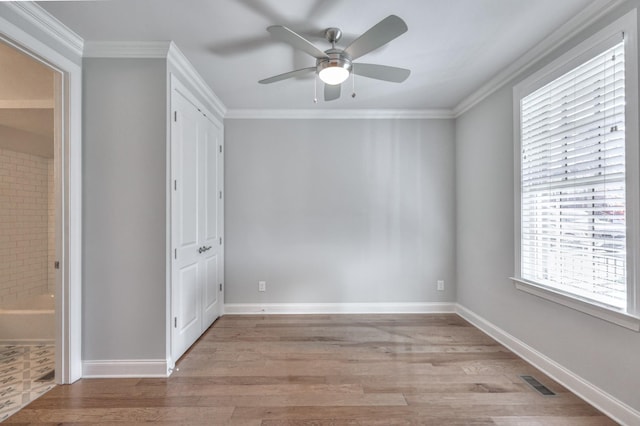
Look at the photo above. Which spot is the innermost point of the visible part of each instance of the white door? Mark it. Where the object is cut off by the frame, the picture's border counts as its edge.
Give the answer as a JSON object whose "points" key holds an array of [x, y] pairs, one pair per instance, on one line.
{"points": [[210, 231], [185, 306], [196, 223]]}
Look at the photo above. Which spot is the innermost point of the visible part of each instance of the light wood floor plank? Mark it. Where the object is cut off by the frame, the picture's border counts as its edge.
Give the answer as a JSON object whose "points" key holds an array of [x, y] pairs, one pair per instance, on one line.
{"points": [[327, 370]]}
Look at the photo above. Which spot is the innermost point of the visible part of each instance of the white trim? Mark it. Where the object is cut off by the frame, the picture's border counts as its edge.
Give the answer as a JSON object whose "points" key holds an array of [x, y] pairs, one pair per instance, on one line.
{"points": [[51, 26], [338, 308], [612, 407], [590, 308], [583, 51], [407, 114], [169, 218], [119, 368], [126, 49], [582, 20], [71, 301], [177, 85], [69, 291], [632, 155], [188, 74]]}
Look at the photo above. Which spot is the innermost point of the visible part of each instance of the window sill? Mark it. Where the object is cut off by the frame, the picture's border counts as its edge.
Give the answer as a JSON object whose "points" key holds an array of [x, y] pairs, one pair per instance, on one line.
{"points": [[599, 311]]}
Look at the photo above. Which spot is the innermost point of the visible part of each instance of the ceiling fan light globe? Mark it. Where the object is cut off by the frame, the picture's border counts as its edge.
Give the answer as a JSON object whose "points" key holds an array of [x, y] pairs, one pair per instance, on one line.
{"points": [[333, 75]]}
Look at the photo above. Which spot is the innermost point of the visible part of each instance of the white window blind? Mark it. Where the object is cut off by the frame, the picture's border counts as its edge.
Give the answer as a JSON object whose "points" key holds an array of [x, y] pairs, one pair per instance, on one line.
{"points": [[573, 228]]}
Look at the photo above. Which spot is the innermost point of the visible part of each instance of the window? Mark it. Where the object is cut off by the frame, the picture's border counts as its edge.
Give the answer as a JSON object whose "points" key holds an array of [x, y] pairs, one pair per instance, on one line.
{"points": [[577, 160]]}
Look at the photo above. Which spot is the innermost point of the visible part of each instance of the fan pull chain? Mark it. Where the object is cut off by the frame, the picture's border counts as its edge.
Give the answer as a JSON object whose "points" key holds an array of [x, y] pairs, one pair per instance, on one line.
{"points": [[353, 82], [315, 89]]}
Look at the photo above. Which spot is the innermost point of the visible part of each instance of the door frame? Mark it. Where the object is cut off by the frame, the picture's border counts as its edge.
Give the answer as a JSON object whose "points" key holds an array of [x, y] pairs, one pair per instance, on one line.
{"points": [[33, 20]]}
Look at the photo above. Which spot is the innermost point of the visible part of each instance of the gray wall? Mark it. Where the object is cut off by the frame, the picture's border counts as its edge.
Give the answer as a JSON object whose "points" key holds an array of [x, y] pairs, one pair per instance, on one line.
{"points": [[124, 233], [330, 211], [602, 353]]}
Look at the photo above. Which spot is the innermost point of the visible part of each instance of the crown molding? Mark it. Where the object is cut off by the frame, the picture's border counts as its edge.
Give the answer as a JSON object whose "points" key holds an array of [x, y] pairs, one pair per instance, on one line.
{"points": [[157, 50], [188, 71], [52, 27], [579, 22], [351, 114], [126, 49]]}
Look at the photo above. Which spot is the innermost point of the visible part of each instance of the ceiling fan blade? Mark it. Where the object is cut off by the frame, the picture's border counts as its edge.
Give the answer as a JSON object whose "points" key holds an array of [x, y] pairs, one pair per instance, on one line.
{"points": [[378, 35], [296, 40], [331, 92], [286, 75], [381, 72]]}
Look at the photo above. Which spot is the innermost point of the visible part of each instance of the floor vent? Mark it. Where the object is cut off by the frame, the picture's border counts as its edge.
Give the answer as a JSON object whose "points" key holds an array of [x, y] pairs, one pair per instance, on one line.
{"points": [[542, 389]]}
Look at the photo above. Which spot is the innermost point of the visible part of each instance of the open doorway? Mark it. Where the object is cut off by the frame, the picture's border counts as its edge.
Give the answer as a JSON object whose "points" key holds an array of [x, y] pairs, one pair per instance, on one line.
{"points": [[30, 226], [61, 51]]}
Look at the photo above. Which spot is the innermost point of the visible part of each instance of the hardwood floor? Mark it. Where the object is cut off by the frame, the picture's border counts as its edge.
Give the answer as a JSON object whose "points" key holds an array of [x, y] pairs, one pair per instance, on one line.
{"points": [[327, 370]]}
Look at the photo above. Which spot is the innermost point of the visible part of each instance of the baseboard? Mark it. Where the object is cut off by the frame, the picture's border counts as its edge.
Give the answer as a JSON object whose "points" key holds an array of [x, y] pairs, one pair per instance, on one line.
{"points": [[120, 368], [338, 308], [612, 407]]}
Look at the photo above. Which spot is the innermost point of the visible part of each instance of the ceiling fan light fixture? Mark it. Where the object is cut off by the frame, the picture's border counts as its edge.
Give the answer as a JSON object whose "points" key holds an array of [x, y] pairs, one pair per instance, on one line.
{"points": [[333, 75], [334, 70]]}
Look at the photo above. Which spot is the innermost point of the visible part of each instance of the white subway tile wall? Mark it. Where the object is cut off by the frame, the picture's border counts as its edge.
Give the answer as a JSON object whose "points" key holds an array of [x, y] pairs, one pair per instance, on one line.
{"points": [[24, 219], [51, 229]]}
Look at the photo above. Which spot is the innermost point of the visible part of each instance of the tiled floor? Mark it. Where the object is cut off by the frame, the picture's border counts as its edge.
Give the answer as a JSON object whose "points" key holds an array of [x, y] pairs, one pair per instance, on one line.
{"points": [[20, 369]]}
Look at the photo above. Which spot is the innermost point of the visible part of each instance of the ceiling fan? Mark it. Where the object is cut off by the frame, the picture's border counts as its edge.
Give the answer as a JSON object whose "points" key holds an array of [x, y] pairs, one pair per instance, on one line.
{"points": [[335, 65]]}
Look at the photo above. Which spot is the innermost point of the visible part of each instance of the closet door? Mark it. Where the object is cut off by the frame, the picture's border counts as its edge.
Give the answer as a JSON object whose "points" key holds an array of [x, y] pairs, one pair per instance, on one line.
{"points": [[196, 223], [210, 220], [186, 307], [211, 235]]}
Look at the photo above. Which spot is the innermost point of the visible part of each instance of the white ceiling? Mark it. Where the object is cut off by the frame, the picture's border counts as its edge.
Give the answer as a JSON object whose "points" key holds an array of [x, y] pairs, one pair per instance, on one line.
{"points": [[452, 47]]}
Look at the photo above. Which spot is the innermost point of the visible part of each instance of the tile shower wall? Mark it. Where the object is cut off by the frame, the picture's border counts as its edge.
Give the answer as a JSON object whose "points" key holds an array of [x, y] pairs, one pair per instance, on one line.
{"points": [[51, 229], [24, 218]]}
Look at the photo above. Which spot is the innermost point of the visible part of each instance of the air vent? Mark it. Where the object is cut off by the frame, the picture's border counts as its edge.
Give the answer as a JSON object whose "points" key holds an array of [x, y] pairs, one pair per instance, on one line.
{"points": [[534, 383]]}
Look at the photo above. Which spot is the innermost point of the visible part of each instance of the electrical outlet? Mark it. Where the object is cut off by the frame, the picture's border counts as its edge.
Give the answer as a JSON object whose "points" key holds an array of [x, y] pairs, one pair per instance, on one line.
{"points": [[440, 285], [262, 286]]}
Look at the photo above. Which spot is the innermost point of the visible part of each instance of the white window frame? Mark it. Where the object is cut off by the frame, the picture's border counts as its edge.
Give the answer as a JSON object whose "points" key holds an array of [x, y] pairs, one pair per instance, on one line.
{"points": [[591, 47]]}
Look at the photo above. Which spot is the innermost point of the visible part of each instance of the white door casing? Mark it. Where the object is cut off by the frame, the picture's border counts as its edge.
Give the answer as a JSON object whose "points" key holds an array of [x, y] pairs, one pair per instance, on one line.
{"points": [[195, 223]]}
